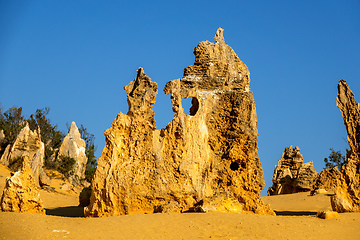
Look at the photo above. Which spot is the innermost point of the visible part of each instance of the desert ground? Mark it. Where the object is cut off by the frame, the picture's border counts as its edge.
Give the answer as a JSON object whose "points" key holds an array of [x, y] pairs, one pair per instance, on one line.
{"points": [[296, 219]]}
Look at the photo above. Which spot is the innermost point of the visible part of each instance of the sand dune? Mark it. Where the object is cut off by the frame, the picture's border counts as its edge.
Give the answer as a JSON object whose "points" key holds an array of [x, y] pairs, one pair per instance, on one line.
{"points": [[295, 220]]}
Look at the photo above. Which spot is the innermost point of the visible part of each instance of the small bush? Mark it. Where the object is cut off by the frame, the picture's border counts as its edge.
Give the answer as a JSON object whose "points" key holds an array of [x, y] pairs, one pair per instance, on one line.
{"points": [[335, 159], [89, 173], [66, 165], [51, 162]]}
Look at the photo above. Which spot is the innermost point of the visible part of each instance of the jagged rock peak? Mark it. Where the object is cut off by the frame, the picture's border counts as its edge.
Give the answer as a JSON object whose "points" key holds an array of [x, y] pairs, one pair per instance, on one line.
{"points": [[28, 143], [349, 108], [20, 192], [217, 67], [204, 161], [219, 37], [73, 146], [141, 93], [292, 175], [74, 131], [347, 186], [326, 179]]}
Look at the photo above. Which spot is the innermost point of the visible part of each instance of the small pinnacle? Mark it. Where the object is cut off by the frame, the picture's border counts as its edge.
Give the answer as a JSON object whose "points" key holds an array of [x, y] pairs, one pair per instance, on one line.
{"points": [[74, 130], [219, 38], [140, 70]]}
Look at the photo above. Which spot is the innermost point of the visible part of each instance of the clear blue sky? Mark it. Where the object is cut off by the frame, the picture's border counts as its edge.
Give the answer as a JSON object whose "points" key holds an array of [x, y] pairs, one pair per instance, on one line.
{"points": [[76, 56]]}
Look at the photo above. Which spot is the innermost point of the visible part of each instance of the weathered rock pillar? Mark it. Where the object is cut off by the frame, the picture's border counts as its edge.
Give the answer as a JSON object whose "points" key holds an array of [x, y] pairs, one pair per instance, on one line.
{"points": [[347, 186], [204, 161]]}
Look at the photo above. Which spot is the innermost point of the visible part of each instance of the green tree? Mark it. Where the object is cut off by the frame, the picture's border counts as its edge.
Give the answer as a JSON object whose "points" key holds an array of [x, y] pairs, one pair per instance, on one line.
{"points": [[11, 122], [335, 159], [66, 165], [51, 137]]}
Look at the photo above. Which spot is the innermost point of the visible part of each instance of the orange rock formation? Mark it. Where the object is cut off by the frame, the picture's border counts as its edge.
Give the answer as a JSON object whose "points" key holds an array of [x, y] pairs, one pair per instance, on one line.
{"points": [[205, 161], [28, 143], [20, 192], [292, 175], [347, 186]]}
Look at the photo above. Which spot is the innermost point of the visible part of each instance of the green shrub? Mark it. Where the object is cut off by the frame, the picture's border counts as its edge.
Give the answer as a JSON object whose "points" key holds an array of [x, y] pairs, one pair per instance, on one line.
{"points": [[12, 121], [89, 173], [335, 159], [66, 165]]}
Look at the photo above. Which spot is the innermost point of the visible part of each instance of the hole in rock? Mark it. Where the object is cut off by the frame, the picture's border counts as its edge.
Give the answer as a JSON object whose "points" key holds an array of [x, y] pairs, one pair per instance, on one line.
{"points": [[234, 166], [192, 104], [163, 111]]}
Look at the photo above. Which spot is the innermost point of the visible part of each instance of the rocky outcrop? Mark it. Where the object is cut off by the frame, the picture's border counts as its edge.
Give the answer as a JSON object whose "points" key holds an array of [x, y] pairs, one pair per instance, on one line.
{"points": [[326, 180], [210, 152], [73, 146], [20, 192], [291, 175], [28, 143], [347, 190], [327, 214]]}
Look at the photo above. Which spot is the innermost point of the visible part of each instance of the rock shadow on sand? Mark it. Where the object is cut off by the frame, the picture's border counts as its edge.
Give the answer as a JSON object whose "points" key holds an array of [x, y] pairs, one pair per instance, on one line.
{"points": [[295, 213], [71, 211]]}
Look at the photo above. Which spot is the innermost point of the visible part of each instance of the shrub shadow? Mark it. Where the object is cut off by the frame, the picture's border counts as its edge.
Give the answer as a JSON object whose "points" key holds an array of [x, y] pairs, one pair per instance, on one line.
{"points": [[72, 211], [295, 213]]}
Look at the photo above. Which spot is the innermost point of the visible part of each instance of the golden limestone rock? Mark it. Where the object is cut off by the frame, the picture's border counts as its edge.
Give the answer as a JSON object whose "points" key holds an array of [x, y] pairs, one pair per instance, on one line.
{"points": [[204, 161], [326, 180], [292, 175], [125, 178], [20, 192], [347, 185], [28, 143], [73, 146], [327, 214]]}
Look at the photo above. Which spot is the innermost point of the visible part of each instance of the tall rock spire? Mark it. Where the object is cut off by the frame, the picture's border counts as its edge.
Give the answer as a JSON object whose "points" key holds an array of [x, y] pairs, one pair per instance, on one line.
{"points": [[205, 161], [219, 37], [73, 146], [347, 190]]}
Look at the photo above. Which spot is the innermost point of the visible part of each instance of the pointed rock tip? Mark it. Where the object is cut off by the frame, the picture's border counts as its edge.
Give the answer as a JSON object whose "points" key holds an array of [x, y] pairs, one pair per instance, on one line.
{"points": [[342, 81], [219, 37], [141, 75], [73, 126], [74, 129], [140, 71]]}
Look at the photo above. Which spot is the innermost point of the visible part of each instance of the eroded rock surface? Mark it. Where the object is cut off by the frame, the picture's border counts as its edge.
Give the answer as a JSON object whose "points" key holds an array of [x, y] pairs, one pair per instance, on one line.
{"points": [[291, 175], [326, 179], [27, 143], [327, 214], [20, 192], [211, 152], [347, 190], [74, 146]]}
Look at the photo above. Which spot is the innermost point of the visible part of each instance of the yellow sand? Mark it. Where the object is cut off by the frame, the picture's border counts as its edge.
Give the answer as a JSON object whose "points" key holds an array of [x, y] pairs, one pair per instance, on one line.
{"points": [[296, 220]]}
